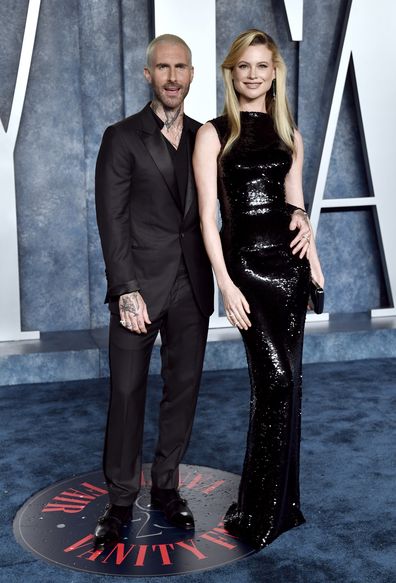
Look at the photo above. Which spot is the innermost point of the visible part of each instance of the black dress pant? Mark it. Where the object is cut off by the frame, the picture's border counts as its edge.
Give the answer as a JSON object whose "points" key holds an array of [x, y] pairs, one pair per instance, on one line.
{"points": [[183, 331]]}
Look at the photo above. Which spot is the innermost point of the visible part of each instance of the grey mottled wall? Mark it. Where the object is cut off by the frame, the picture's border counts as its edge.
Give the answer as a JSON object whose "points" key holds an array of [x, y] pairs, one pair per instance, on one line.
{"points": [[86, 73]]}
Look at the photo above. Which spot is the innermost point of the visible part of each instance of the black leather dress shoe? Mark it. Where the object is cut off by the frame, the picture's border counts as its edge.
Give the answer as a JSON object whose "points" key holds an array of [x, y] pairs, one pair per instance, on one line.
{"points": [[108, 528], [174, 507]]}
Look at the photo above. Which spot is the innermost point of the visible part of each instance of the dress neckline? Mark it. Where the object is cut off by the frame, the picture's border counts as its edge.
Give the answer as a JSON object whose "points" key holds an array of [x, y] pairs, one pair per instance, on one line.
{"points": [[254, 113]]}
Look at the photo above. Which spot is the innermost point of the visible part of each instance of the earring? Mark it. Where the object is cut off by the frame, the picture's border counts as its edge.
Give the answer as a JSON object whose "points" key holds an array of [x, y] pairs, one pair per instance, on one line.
{"points": [[273, 87]]}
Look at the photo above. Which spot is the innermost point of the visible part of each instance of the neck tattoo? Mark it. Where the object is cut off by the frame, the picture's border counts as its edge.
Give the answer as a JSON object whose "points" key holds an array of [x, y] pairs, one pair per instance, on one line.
{"points": [[171, 117], [173, 122]]}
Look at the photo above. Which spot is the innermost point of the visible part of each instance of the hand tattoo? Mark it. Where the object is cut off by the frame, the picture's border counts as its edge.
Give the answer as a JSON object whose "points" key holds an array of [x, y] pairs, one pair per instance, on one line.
{"points": [[130, 303]]}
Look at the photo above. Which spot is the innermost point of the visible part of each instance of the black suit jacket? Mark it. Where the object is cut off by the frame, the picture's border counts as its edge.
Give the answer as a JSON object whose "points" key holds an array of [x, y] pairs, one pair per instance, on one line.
{"points": [[142, 228]]}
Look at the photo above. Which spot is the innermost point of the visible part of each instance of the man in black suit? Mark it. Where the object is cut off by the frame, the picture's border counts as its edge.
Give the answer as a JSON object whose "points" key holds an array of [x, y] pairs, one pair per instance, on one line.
{"points": [[159, 280]]}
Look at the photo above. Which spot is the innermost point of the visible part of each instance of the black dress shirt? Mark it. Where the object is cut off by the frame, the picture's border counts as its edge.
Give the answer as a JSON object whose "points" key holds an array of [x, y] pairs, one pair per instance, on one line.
{"points": [[180, 160]]}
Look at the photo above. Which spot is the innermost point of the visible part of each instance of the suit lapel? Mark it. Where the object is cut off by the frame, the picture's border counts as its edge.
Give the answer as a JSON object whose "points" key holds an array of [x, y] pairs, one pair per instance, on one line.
{"points": [[190, 190], [158, 151]]}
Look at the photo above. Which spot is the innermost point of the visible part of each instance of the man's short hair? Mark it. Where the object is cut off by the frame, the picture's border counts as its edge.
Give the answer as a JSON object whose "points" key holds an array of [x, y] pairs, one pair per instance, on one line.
{"points": [[166, 38]]}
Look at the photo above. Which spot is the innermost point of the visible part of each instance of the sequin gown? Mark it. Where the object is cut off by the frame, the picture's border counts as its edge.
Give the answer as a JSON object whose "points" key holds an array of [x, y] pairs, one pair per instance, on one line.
{"points": [[255, 238]]}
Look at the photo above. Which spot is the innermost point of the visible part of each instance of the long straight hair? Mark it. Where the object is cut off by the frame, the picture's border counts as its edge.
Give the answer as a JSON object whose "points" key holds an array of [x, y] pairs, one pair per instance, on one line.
{"points": [[277, 106]]}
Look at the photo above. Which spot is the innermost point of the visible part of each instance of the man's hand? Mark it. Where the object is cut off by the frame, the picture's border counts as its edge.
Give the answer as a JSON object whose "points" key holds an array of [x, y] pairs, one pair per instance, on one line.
{"points": [[133, 312], [301, 241]]}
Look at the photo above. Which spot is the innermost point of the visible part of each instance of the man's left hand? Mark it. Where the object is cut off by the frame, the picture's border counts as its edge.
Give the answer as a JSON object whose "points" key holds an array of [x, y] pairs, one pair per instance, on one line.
{"points": [[133, 312]]}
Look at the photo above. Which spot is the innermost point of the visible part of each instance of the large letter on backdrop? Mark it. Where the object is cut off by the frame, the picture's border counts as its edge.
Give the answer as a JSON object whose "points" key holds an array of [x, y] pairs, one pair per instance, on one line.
{"points": [[369, 41], [195, 22], [10, 312]]}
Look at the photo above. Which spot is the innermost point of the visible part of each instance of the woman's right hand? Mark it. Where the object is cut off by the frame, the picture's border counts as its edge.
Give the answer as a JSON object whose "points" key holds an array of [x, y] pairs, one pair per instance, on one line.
{"points": [[236, 306]]}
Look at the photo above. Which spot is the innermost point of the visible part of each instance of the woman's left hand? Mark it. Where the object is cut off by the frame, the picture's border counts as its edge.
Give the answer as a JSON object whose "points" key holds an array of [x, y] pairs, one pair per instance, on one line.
{"points": [[317, 275], [301, 241]]}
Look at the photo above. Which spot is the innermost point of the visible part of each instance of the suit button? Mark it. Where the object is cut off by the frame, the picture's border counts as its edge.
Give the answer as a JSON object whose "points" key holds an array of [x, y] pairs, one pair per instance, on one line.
{"points": [[182, 235]]}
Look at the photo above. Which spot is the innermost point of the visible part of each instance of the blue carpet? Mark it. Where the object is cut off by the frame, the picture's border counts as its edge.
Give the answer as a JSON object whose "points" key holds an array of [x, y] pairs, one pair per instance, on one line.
{"points": [[51, 431]]}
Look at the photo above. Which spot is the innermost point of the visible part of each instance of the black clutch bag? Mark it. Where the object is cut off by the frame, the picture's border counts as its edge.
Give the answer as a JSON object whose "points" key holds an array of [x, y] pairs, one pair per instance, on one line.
{"points": [[316, 297]]}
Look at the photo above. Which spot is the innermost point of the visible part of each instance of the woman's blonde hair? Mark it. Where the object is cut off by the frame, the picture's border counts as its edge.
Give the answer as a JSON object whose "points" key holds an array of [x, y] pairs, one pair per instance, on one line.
{"points": [[276, 105]]}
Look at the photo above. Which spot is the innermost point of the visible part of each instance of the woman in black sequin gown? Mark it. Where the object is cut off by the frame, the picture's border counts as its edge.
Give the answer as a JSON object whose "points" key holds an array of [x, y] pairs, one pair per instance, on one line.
{"points": [[263, 260]]}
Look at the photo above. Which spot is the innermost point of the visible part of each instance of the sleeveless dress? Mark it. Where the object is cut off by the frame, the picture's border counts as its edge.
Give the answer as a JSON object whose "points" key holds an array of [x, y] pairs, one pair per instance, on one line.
{"points": [[255, 237]]}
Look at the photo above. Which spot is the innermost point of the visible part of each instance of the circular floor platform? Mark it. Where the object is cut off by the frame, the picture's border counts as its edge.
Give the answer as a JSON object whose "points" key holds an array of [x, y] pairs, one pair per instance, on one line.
{"points": [[57, 523]]}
